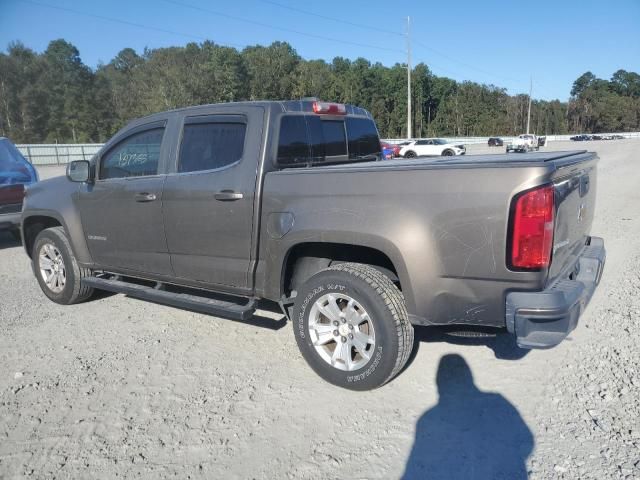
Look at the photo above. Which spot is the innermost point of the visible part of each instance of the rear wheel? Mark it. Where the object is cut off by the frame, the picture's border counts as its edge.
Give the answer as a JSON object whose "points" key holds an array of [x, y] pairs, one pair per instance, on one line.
{"points": [[410, 154], [56, 268], [352, 327]]}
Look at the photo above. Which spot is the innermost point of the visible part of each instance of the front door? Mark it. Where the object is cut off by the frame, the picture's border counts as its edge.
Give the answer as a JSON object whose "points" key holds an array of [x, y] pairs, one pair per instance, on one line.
{"points": [[122, 210], [209, 200]]}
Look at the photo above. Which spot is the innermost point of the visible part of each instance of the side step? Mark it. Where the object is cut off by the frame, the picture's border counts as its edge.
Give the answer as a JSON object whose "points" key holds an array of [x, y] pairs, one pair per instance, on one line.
{"points": [[196, 303]]}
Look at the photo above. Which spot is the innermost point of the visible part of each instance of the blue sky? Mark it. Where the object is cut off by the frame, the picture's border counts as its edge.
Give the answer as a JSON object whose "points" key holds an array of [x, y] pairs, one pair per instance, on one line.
{"points": [[490, 41]]}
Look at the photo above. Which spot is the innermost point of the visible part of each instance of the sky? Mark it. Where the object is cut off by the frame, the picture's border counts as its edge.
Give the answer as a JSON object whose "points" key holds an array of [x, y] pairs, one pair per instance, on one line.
{"points": [[499, 42]]}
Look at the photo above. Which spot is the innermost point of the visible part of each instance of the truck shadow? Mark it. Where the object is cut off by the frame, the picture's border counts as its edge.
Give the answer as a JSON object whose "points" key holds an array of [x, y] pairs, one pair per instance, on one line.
{"points": [[502, 343], [468, 434]]}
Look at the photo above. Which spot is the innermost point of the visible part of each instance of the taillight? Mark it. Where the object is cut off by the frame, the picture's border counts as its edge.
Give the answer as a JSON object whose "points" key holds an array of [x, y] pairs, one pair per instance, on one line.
{"points": [[532, 229], [11, 194], [329, 108]]}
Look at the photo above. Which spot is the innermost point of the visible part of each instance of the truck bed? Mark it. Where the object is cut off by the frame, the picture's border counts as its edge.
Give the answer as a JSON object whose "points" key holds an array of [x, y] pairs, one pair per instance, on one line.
{"points": [[448, 215], [472, 161]]}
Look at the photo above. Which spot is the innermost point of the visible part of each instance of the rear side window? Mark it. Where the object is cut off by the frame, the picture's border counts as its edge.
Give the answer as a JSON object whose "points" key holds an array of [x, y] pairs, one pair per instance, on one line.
{"points": [[136, 156], [212, 145]]}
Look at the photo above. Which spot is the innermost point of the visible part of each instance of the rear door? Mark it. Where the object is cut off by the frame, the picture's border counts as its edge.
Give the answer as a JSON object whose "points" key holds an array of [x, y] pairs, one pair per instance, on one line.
{"points": [[122, 210], [208, 199]]}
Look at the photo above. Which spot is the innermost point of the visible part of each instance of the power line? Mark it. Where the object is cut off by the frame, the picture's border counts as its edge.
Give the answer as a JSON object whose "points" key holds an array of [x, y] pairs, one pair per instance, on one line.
{"points": [[467, 65], [126, 22], [333, 19], [282, 29]]}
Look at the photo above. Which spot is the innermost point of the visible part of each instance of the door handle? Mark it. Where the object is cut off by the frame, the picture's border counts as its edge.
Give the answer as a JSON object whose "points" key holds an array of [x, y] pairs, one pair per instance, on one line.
{"points": [[227, 195], [145, 197]]}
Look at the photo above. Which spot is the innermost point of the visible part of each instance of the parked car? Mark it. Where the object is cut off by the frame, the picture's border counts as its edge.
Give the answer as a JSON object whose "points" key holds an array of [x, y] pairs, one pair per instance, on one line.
{"points": [[395, 147], [542, 141], [617, 137], [523, 143], [15, 173], [580, 138], [596, 137], [387, 150], [429, 147], [495, 142], [287, 201]]}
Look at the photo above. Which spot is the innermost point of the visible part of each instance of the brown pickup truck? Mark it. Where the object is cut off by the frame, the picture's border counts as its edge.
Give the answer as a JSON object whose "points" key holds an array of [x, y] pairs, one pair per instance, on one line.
{"points": [[216, 207]]}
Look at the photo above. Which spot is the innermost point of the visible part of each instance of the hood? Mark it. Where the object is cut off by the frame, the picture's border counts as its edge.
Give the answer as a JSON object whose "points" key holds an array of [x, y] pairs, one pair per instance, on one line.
{"points": [[14, 168]]}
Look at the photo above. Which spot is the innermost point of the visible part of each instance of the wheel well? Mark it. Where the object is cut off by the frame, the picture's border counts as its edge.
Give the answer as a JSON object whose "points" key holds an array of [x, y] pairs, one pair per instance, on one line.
{"points": [[33, 226], [304, 260]]}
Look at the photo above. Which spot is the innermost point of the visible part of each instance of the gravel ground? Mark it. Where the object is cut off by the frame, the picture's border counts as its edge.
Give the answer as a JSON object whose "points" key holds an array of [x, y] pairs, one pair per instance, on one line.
{"points": [[119, 387]]}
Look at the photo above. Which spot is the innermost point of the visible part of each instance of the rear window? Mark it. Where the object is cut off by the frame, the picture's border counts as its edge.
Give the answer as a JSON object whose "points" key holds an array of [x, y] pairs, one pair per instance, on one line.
{"points": [[363, 137], [309, 139]]}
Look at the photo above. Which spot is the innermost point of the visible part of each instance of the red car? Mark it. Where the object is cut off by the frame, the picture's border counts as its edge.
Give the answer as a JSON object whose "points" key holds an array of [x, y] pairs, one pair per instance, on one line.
{"points": [[394, 149]]}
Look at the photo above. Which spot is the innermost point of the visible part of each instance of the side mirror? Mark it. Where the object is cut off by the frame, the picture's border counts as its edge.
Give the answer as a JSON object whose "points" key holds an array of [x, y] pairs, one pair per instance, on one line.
{"points": [[79, 171]]}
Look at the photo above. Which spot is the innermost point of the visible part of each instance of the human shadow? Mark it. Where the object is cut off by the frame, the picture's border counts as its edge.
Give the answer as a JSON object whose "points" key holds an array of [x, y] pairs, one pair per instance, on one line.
{"points": [[469, 434]]}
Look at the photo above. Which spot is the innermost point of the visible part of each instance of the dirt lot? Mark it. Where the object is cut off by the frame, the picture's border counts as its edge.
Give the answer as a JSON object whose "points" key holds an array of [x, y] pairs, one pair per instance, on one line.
{"points": [[119, 387]]}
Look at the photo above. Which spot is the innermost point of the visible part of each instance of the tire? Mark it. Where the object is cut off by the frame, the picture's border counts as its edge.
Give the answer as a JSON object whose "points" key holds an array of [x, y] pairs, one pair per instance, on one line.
{"points": [[377, 314], [50, 249], [410, 154], [448, 153]]}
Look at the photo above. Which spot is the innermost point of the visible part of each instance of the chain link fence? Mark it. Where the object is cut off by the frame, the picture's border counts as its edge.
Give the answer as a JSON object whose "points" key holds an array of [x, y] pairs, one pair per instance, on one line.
{"points": [[58, 154], [61, 154]]}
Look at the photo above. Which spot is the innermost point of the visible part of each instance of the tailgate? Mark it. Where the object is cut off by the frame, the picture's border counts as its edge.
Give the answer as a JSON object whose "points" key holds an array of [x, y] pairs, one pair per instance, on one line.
{"points": [[575, 195]]}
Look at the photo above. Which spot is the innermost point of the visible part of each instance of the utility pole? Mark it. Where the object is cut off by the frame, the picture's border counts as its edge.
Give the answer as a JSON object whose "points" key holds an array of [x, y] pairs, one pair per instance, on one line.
{"points": [[408, 78], [529, 111]]}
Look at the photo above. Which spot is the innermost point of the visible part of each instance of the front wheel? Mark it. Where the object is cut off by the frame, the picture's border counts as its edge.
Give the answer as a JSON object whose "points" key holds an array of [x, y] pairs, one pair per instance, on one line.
{"points": [[56, 268], [352, 327], [448, 153]]}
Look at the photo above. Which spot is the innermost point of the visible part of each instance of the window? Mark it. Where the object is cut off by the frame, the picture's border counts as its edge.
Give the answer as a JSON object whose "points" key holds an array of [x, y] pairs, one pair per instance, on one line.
{"points": [[135, 156], [293, 146], [306, 139], [335, 141], [423, 142], [207, 146], [363, 137]]}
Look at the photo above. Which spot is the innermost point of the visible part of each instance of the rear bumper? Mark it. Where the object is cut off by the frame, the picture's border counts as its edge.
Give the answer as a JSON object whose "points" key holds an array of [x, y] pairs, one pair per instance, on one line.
{"points": [[543, 319]]}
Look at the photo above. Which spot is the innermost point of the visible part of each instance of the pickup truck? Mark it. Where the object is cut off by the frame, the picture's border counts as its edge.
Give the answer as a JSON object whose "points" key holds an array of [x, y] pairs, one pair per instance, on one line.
{"points": [[214, 208], [523, 143]]}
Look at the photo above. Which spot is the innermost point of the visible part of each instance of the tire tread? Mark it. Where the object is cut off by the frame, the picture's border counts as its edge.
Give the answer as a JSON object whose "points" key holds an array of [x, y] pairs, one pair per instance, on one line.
{"points": [[393, 299]]}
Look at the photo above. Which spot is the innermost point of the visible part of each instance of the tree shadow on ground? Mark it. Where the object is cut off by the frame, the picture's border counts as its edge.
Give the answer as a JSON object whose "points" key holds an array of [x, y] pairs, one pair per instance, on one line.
{"points": [[469, 434]]}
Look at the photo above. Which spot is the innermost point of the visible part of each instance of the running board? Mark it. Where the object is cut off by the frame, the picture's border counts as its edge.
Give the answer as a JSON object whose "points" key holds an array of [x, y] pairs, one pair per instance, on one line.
{"points": [[196, 303]]}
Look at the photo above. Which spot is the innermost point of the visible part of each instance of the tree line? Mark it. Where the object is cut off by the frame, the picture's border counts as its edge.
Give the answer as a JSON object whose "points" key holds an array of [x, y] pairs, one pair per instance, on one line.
{"points": [[54, 97]]}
